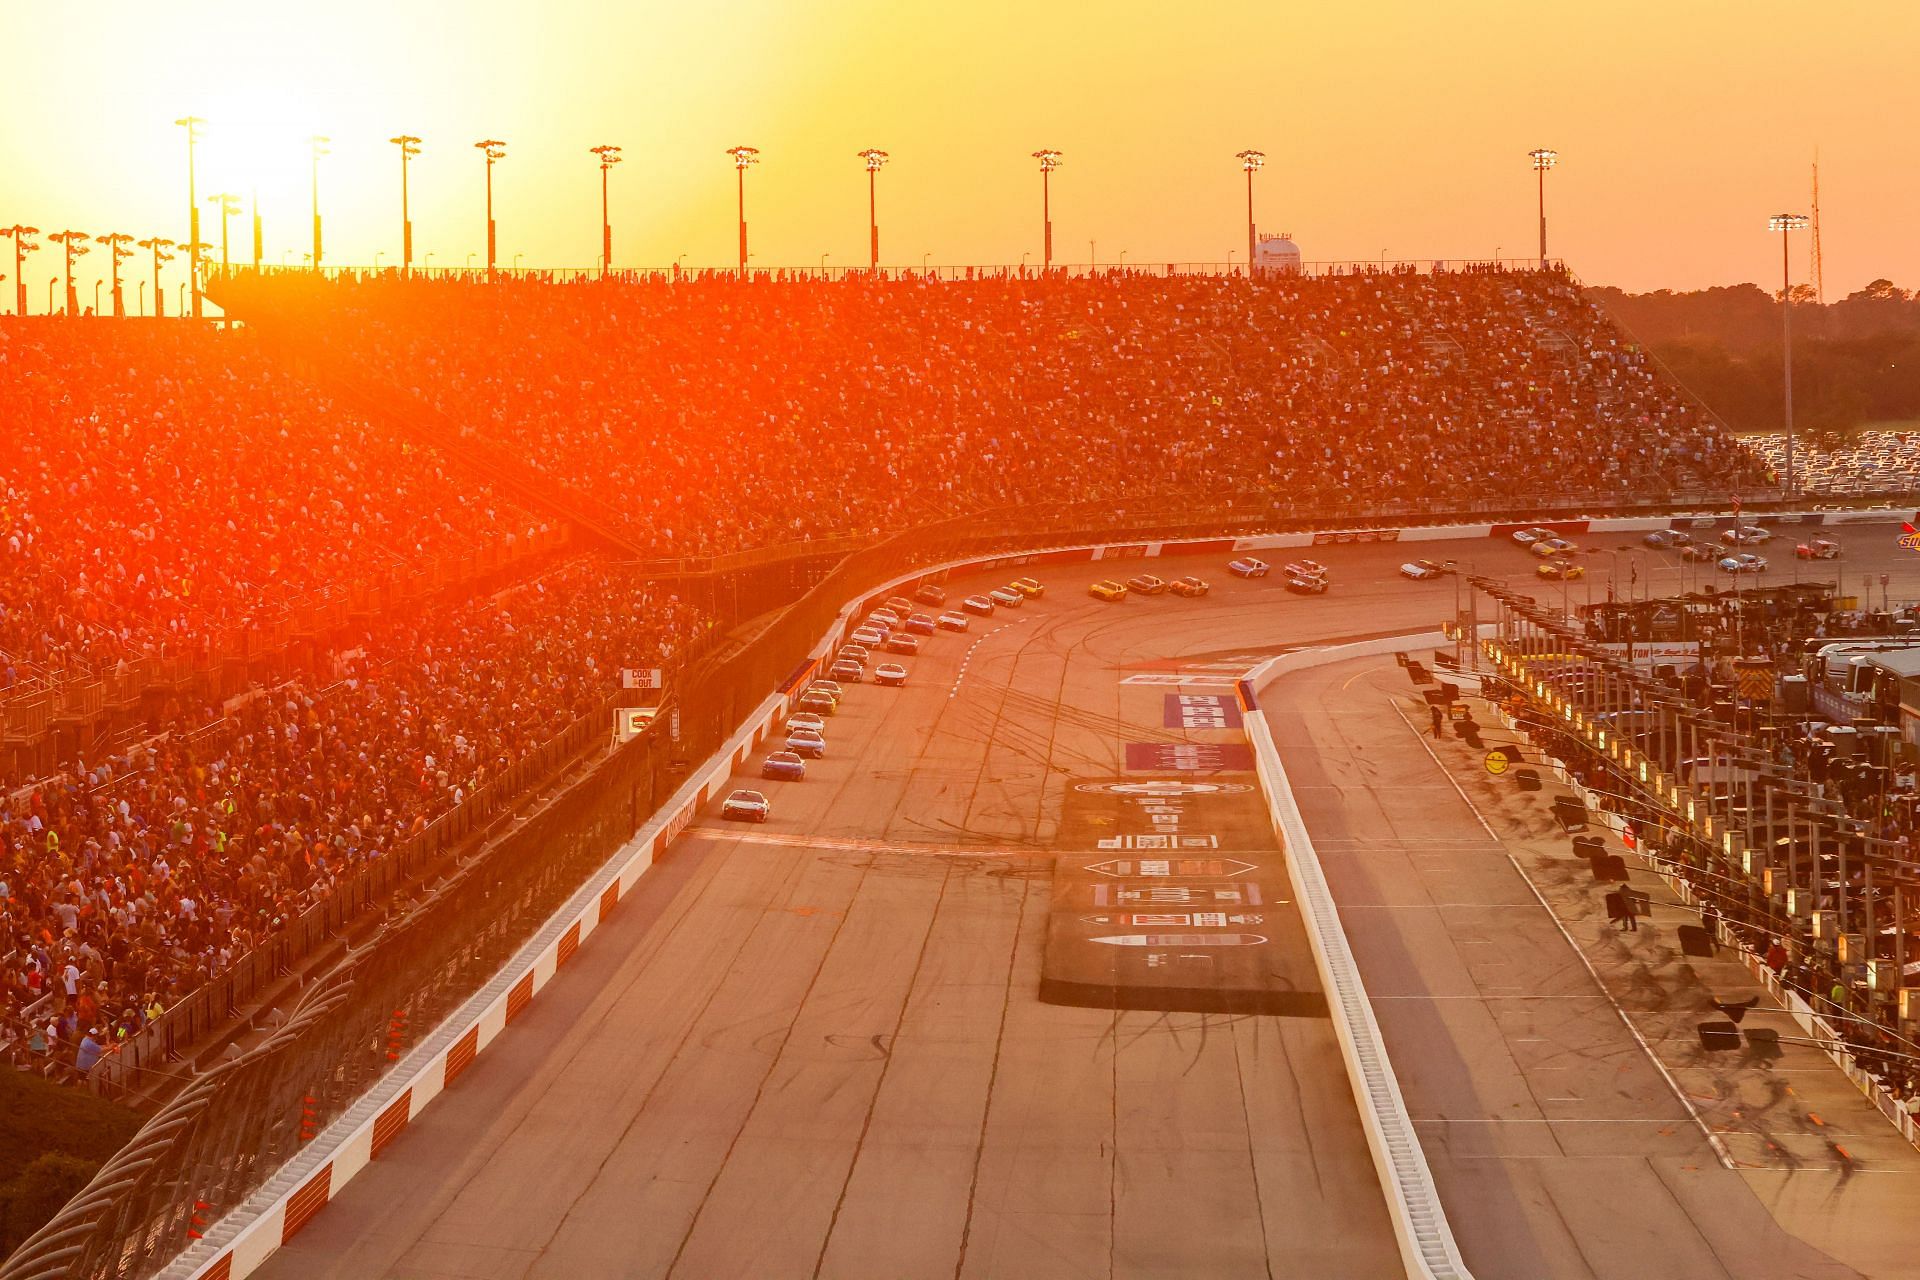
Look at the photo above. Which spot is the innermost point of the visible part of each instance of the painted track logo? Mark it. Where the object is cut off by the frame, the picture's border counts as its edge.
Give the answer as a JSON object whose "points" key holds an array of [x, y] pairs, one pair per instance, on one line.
{"points": [[1163, 787], [1910, 539]]}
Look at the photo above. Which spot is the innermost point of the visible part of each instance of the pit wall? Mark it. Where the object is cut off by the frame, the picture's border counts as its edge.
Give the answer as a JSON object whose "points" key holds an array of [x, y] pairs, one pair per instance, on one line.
{"points": [[237, 1244]]}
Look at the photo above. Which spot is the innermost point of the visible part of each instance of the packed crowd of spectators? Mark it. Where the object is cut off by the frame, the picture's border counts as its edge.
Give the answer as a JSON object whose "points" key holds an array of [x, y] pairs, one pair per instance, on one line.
{"points": [[717, 414], [128, 880], [166, 482], [160, 483]]}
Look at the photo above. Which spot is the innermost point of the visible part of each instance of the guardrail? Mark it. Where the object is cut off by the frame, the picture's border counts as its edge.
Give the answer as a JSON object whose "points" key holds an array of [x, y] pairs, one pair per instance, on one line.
{"points": [[1420, 1223]]}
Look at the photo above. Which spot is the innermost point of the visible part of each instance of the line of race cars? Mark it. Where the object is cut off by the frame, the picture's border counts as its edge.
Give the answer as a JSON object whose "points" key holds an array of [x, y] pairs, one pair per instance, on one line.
{"points": [[895, 628]]}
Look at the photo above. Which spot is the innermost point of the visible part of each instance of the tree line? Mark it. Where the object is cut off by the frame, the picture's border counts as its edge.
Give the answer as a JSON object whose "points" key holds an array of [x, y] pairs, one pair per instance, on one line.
{"points": [[1855, 361]]}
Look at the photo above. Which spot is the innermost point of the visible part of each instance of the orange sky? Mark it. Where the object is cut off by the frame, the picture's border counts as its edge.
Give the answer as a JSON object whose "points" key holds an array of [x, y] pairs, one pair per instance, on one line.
{"points": [[1395, 127]]}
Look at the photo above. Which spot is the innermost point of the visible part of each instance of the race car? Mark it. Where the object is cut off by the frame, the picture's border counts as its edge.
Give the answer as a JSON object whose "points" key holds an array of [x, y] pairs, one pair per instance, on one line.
{"points": [[1306, 585], [1420, 570], [1745, 562], [1107, 589], [979, 605], [891, 674], [1818, 549], [1249, 568], [886, 619], [869, 636], [921, 624], [807, 743], [1306, 569], [1561, 570], [953, 622], [785, 765], [903, 643], [1702, 552], [1551, 546], [745, 806], [846, 669], [1189, 586], [1752, 533], [1146, 584], [899, 606], [1006, 597], [818, 702], [806, 720], [1527, 537], [1028, 587], [927, 593], [1668, 539]]}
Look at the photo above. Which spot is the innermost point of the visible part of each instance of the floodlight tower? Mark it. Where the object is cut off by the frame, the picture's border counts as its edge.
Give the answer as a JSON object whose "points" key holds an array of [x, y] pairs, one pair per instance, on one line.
{"points": [[494, 150], [192, 124], [23, 244], [1786, 224], [319, 144], [409, 148], [742, 157], [609, 157], [160, 255], [1049, 160], [229, 205], [1543, 159], [122, 246], [1251, 161], [75, 244], [874, 158]]}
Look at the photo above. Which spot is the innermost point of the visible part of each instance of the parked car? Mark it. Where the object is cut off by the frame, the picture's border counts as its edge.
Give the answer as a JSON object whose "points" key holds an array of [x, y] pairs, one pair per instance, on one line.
{"points": [[927, 593], [1248, 567], [1006, 597], [784, 765], [920, 624], [745, 806], [1107, 589], [1145, 584], [1189, 586], [953, 622], [1028, 587], [903, 643], [1420, 570], [979, 605], [890, 673], [1818, 549], [803, 742]]}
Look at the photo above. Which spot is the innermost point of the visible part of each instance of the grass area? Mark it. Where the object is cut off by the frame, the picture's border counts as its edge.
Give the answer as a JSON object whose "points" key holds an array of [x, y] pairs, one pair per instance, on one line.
{"points": [[38, 1116], [52, 1139]]}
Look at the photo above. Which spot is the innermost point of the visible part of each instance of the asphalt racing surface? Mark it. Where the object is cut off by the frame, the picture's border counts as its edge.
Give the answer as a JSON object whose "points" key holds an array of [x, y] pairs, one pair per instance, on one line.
{"points": [[820, 1047]]}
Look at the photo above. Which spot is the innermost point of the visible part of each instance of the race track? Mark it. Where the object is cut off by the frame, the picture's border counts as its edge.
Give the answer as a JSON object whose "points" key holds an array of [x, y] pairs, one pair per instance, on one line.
{"points": [[818, 1046]]}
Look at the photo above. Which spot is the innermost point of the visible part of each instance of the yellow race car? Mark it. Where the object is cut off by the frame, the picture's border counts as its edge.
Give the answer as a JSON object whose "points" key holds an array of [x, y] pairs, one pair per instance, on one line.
{"points": [[1561, 570], [1108, 589], [1028, 587]]}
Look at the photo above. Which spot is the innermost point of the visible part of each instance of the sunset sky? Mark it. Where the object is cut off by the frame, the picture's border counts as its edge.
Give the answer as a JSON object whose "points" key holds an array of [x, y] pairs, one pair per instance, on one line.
{"points": [[1390, 127]]}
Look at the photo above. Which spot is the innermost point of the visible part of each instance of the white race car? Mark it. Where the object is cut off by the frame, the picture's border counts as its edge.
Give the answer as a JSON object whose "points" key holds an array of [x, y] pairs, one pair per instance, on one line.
{"points": [[1745, 562], [1249, 568], [1420, 570]]}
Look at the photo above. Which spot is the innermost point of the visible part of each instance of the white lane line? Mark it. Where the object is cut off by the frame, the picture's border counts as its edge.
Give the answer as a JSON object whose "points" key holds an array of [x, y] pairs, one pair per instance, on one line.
{"points": [[840, 844], [967, 657], [1713, 1139]]}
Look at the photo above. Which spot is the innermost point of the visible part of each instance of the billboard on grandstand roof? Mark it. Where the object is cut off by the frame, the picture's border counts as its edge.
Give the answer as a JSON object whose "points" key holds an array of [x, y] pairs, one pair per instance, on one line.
{"points": [[1276, 254]]}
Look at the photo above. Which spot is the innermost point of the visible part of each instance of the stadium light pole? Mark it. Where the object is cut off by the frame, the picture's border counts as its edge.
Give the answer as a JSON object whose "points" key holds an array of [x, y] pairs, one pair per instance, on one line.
{"points": [[874, 158], [609, 157], [121, 245], [229, 205], [742, 157], [1786, 224], [23, 244], [1251, 161], [409, 148], [259, 241], [319, 144], [192, 124], [160, 255], [1543, 159], [1049, 160], [75, 244], [494, 149]]}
